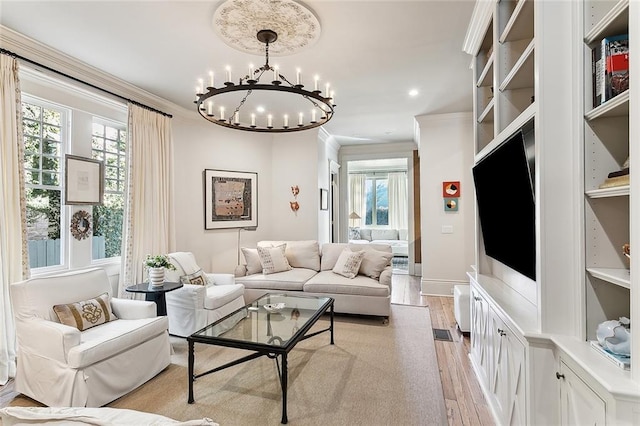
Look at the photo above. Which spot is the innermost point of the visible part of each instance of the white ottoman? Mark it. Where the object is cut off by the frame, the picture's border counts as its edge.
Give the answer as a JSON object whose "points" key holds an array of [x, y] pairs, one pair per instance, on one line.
{"points": [[461, 307]]}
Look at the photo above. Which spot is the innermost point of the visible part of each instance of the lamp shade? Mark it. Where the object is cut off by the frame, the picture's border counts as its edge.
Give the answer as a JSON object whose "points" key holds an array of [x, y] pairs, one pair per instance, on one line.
{"points": [[354, 215]]}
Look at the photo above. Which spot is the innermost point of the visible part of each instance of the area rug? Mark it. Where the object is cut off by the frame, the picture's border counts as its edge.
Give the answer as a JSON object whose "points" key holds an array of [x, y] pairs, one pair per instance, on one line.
{"points": [[374, 374]]}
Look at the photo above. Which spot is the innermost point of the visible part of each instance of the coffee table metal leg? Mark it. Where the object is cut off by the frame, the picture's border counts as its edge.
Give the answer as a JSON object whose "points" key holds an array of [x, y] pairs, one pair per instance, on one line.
{"points": [[190, 369], [283, 383]]}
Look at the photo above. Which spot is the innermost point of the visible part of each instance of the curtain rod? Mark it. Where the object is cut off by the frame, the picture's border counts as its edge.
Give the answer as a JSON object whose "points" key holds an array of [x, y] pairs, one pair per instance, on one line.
{"points": [[22, 58]]}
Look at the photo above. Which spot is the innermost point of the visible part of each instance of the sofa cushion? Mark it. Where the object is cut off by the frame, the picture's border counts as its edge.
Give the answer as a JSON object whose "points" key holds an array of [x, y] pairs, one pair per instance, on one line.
{"points": [[326, 282], [220, 295], [348, 263], [86, 313], [374, 262], [384, 234], [253, 260], [300, 254], [365, 234], [273, 259], [289, 280]]}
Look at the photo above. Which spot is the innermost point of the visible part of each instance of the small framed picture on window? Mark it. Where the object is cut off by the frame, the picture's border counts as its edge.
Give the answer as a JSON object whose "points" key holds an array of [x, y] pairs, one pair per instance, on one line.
{"points": [[84, 181]]}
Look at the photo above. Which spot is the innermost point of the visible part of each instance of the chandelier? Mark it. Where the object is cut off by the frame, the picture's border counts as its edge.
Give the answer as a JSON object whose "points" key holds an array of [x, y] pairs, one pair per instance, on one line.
{"points": [[312, 108]]}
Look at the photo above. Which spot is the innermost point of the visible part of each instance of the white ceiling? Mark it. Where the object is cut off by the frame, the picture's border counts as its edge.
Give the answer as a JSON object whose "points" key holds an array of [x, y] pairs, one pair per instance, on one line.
{"points": [[372, 52]]}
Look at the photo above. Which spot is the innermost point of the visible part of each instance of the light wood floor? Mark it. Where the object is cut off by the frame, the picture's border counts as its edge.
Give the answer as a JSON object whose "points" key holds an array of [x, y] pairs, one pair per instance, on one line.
{"points": [[463, 398], [462, 394]]}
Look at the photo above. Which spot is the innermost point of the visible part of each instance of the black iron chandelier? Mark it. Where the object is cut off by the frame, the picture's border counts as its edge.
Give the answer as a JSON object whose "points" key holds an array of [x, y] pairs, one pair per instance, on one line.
{"points": [[317, 106]]}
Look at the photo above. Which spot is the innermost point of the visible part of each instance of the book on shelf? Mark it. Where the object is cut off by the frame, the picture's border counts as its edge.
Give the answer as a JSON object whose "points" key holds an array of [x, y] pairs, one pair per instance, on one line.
{"points": [[611, 182], [621, 361], [610, 68]]}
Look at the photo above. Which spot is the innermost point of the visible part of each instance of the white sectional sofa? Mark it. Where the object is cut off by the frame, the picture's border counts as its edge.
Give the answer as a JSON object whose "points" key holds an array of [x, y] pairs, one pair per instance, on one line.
{"points": [[396, 238], [312, 272]]}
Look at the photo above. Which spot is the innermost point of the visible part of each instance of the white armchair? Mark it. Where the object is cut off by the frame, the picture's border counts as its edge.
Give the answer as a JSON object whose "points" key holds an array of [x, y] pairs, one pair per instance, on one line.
{"points": [[60, 365], [194, 306]]}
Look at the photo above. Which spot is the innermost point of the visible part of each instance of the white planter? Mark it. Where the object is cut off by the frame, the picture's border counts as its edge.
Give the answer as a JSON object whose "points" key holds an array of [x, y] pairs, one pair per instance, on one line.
{"points": [[156, 276]]}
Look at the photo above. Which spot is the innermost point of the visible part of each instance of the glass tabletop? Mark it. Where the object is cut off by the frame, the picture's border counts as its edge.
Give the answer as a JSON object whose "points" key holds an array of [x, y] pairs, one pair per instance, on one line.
{"points": [[271, 320]]}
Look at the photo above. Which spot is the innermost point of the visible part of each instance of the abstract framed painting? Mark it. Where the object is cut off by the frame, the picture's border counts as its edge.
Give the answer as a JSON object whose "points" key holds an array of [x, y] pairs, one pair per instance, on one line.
{"points": [[230, 199]]}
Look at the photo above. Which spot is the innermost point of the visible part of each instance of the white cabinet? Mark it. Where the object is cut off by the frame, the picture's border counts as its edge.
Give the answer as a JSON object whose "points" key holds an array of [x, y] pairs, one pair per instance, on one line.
{"points": [[579, 404]]}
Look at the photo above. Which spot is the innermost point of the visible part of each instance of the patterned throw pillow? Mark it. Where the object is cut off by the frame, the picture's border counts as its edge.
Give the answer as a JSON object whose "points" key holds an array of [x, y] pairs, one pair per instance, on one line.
{"points": [[198, 278], [87, 313], [354, 233], [348, 264], [273, 259]]}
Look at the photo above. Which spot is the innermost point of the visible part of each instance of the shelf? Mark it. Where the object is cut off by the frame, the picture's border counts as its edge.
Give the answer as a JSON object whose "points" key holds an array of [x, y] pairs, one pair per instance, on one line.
{"points": [[487, 113], [520, 24], [522, 74], [486, 77], [616, 107], [616, 21], [617, 191], [617, 276]]}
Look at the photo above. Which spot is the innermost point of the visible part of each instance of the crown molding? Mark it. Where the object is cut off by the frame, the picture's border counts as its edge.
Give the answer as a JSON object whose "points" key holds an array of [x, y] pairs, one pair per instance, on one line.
{"points": [[480, 20]]}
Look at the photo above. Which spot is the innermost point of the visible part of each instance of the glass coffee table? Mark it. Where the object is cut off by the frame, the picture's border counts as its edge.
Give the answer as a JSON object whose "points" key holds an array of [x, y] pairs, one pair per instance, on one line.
{"points": [[270, 326]]}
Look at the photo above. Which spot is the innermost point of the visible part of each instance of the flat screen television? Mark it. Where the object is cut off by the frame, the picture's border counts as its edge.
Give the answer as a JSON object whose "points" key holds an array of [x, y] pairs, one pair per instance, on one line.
{"points": [[505, 196]]}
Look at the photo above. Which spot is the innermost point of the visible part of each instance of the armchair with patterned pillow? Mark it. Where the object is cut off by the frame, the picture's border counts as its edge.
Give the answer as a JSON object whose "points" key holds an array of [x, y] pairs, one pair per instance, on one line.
{"points": [[204, 297]]}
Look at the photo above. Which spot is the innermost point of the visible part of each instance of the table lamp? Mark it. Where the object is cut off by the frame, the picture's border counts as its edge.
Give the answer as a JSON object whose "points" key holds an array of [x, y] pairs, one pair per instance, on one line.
{"points": [[353, 216]]}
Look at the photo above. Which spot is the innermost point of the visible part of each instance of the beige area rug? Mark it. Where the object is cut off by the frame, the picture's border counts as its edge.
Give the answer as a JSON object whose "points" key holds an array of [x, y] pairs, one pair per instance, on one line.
{"points": [[375, 374]]}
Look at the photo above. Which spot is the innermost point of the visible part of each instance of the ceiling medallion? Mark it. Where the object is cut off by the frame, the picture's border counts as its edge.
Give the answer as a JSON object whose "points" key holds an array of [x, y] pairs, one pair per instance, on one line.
{"points": [[238, 21]]}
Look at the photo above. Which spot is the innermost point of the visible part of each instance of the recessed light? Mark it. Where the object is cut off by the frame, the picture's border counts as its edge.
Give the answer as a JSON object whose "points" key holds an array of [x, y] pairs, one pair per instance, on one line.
{"points": [[413, 93]]}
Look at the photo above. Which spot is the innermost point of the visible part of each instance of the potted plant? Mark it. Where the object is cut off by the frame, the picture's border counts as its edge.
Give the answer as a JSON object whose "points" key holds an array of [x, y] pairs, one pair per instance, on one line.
{"points": [[156, 266]]}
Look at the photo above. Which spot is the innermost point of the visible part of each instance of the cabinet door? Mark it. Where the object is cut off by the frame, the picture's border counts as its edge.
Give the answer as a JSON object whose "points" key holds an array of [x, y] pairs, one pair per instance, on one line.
{"points": [[508, 378], [479, 341], [579, 404]]}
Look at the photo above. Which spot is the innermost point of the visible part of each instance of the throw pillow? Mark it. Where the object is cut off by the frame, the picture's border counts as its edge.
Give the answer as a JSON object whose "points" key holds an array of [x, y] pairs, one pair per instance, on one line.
{"points": [[354, 233], [348, 263], [374, 262], [253, 261], [273, 259], [86, 313], [198, 278]]}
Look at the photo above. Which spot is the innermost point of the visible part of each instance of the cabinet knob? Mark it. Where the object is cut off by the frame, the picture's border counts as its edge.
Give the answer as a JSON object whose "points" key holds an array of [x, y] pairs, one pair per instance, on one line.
{"points": [[501, 332], [559, 376]]}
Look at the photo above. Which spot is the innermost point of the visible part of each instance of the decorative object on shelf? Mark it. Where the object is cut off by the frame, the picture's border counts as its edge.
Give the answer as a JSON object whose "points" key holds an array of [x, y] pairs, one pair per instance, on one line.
{"points": [[81, 225], [621, 361], [324, 199], [626, 250], [451, 189], [617, 178], [230, 199], [615, 336], [240, 105], [156, 266], [84, 181], [610, 68]]}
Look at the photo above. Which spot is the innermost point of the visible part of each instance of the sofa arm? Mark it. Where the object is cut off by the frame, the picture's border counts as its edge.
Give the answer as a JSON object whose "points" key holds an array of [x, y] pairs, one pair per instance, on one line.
{"points": [[133, 309], [188, 296], [222, 279], [385, 276], [48, 339], [241, 271]]}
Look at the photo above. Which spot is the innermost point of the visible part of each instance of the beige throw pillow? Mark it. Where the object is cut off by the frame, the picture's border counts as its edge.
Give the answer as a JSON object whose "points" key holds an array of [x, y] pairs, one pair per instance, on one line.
{"points": [[374, 262], [348, 263], [273, 259], [87, 313], [253, 261]]}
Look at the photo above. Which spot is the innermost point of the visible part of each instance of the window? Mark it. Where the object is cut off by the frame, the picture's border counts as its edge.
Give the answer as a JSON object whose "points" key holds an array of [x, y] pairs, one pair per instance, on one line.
{"points": [[377, 201], [108, 144], [44, 131]]}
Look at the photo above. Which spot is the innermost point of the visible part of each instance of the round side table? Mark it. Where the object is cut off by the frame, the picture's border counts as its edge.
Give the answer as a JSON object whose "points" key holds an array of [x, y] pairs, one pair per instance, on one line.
{"points": [[155, 293]]}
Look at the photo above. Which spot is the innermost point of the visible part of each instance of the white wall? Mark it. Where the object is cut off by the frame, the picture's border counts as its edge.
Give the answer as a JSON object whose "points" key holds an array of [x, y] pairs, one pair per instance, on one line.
{"points": [[446, 154]]}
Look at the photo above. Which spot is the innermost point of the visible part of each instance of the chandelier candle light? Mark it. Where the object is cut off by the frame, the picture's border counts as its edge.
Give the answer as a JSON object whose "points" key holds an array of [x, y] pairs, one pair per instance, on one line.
{"points": [[320, 104]]}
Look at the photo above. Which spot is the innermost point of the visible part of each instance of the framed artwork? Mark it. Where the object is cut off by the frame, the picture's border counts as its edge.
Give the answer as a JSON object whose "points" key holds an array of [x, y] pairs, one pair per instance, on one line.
{"points": [[84, 180], [230, 199], [451, 189], [450, 204], [324, 199]]}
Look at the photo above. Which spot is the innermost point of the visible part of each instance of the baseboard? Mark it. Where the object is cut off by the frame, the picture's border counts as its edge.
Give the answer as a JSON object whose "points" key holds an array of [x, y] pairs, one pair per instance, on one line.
{"points": [[438, 287]]}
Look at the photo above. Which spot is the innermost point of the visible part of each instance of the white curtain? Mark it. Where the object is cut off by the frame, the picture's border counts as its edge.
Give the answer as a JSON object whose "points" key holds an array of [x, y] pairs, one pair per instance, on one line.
{"points": [[13, 232], [149, 223], [357, 198], [398, 200]]}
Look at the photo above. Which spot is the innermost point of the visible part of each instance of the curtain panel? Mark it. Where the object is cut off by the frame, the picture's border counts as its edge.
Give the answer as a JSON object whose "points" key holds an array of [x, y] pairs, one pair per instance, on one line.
{"points": [[357, 198], [149, 222], [398, 200], [13, 233]]}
